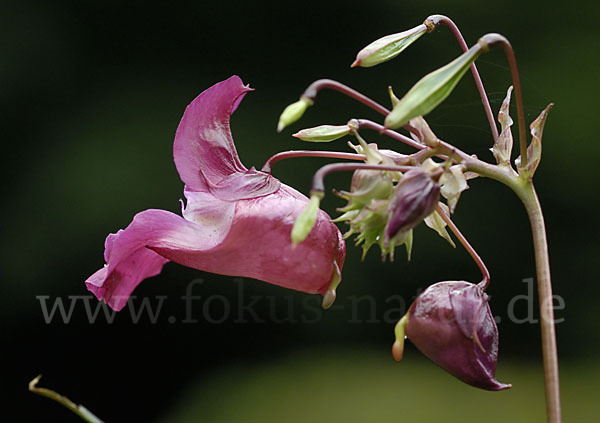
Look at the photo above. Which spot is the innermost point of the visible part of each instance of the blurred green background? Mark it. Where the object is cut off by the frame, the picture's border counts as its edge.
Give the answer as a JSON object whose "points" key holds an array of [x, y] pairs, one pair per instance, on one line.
{"points": [[92, 93]]}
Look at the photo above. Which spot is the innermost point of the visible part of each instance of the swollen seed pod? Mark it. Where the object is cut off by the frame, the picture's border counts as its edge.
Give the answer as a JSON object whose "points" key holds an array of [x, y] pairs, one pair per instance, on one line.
{"points": [[452, 324]]}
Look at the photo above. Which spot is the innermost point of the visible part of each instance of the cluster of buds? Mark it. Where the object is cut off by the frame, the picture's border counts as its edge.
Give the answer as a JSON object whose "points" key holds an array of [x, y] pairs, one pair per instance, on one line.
{"points": [[391, 193]]}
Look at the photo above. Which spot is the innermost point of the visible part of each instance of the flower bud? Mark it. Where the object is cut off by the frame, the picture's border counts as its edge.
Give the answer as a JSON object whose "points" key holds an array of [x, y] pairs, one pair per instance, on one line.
{"points": [[432, 89], [414, 198], [452, 324], [306, 220], [293, 112], [367, 185], [323, 133], [388, 47]]}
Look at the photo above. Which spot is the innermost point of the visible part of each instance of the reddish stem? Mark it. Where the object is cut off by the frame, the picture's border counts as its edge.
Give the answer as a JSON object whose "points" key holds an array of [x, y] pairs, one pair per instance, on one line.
{"points": [[318, 184], [315, 87], [364, 123], [307, 153], [490, 40], [441, 19], [461, 238]]}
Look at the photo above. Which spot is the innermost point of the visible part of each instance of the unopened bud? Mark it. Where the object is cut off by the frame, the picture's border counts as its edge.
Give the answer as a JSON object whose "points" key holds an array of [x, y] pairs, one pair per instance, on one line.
{"points": [[293, 112], [414, 198], [306, 220], [431, 90], [387, 47], [323, 133], [452, 324]]}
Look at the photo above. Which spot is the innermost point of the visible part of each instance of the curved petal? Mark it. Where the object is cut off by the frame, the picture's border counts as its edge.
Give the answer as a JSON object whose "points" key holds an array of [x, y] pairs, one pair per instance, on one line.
{"points": [[129, 260], [244, 186], [258, 245], [204, 152]]}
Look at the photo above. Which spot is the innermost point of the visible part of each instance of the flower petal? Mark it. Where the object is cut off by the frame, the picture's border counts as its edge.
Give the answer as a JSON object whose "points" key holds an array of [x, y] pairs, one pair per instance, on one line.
{"points": [[204, 152], [129, 259], [258, 245]]}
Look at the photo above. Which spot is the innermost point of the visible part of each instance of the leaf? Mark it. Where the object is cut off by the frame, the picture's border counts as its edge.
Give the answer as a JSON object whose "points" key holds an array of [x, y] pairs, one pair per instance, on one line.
{"points": [[432, 89], [388, 47], [534, 151], [503, 145]]}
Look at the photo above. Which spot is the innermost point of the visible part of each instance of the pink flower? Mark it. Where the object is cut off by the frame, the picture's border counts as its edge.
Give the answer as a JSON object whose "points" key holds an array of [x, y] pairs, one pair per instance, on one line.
{"points": [[237, 221], [452, 324]]}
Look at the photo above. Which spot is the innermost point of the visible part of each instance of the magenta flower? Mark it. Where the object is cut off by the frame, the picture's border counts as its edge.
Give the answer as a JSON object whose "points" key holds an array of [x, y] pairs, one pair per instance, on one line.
{"points": [[237, 221], [452, 324]]}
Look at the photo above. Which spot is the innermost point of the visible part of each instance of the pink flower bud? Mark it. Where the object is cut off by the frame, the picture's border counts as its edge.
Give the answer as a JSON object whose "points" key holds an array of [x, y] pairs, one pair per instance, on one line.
{"points": [[414, 198], [452, 324]]}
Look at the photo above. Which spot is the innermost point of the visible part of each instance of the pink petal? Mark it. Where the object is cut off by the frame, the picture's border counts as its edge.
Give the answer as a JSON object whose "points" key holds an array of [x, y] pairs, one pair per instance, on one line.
{"points": [[128, 259], [258, 245], [249, 238], [204, 152]]}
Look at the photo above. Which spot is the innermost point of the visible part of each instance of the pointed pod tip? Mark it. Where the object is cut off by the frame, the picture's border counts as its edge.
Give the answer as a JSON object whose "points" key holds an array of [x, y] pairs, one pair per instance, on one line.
{"points": [[398, 350], [328, 298], [355, 63], [280, 126]]}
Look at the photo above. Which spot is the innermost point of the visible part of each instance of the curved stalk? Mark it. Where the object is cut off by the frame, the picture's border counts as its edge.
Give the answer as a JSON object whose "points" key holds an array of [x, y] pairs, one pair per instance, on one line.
{"points": [[307, 153], [492, 39], [312, 90], [485, 274], [318, 184], [80, 410], [445, 20]]}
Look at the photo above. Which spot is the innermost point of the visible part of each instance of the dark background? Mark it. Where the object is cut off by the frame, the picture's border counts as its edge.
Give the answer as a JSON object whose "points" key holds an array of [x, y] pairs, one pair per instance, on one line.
{"points": [[91, 95]]}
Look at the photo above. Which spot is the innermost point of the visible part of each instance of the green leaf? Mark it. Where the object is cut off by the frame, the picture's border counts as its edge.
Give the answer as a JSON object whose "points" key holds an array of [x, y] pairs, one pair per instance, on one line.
{"points": [[503, 145], [323, 133], [432, 89], [388, 47]]}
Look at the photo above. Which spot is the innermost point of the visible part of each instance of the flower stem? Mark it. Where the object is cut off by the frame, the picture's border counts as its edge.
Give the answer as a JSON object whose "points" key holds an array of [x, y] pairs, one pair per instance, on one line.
{"points": [[492, 39], [441, 19], [315, 87], [318, 184], [542, 262], [307, 153], [80, 410], [364, 123], [461, 238]]}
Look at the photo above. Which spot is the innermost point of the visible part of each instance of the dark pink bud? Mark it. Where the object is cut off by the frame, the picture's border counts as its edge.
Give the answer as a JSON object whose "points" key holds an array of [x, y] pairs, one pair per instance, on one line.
{"points": [[414, 198], [452, 324]]}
